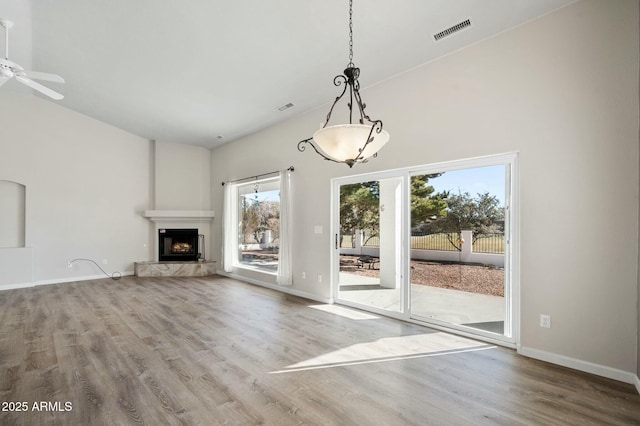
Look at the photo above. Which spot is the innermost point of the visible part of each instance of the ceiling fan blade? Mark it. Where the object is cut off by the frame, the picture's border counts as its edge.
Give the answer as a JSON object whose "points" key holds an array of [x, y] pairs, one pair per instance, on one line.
{"points": [[39, 87], [3, 80], [36, 75], [10, 64]]}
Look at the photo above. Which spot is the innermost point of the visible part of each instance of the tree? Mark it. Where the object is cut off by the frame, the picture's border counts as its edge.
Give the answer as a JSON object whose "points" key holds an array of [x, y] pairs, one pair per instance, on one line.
{"points": [[425, 205], [360, 205], [250, 220], [359, 208], [482, 215], [258, 217]]}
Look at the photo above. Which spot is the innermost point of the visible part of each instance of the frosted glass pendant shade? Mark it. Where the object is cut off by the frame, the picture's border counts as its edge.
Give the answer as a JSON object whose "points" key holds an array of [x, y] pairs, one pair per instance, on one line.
{"points": [[343, 142]]}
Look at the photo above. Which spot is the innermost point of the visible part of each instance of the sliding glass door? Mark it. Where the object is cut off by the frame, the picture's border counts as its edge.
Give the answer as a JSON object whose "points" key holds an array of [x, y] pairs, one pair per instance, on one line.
{"points": [[368, 243], [431, 244], [458, 243]]}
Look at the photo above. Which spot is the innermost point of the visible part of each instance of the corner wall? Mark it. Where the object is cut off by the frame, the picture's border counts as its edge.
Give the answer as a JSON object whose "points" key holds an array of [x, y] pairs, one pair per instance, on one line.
{"points": [[86, 184], [182, 177], [561, 91]]}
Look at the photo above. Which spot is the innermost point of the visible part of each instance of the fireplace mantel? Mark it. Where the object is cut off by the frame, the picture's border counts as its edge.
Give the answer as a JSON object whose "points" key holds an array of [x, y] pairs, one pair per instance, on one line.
{"points": [[179, 215]]}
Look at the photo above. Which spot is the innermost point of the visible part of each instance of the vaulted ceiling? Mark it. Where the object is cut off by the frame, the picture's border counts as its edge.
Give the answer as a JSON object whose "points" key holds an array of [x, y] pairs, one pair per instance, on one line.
{"points": [[207, 72]]}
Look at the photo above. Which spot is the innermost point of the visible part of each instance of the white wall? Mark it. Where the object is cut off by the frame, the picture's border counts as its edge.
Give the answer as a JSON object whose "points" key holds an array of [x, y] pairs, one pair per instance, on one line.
{"points": [[86, 186], [182, 177], [563, 92]]}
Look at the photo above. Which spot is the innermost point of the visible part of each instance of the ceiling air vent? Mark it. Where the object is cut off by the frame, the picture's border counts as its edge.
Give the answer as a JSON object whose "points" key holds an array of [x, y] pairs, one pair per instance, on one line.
{"points": [[285, 107], [457, 27]]}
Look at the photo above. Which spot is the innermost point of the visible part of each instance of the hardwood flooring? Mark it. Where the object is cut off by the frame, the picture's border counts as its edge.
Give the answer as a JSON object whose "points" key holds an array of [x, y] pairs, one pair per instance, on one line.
{"points": [[212, 350]]}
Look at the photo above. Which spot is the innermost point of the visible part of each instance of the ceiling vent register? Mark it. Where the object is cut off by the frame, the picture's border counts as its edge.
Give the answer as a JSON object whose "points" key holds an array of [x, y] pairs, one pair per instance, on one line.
{"points": [[458, 27]]}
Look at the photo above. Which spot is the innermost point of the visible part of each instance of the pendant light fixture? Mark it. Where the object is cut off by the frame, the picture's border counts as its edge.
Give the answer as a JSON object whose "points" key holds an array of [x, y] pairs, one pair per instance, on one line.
{"points": [[348, 143]]}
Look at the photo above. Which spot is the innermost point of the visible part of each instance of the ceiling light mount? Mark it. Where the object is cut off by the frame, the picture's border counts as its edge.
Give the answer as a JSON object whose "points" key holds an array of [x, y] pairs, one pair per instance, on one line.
{"points": [[348, 143], [5, 23]]}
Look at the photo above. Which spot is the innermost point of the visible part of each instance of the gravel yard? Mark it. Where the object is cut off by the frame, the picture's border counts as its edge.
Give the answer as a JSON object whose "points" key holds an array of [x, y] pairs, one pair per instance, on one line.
{"points": [[472, 278]]}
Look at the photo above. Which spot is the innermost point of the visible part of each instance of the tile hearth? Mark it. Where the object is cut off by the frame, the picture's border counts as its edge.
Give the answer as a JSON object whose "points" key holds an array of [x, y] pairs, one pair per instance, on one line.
{"points": [[174, 269]]}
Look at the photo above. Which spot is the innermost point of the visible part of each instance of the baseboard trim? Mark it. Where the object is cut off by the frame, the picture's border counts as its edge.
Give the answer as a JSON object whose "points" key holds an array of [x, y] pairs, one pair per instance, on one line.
{"points": [[637, 384], [15, 286], [74, 279], [586, 366], [276, 287], [58, 281]]}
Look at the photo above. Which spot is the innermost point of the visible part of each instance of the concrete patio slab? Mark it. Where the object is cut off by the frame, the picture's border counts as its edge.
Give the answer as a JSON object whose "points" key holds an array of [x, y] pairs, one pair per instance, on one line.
{"points": [[453, 306]]}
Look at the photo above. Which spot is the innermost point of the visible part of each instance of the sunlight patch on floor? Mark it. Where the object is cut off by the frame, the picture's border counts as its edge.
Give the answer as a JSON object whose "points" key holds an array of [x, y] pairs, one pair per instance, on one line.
{"points": [[344, 312], [390, 349]]}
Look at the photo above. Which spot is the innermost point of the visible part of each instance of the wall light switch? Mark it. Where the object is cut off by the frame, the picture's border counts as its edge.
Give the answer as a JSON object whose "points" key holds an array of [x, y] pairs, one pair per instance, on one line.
{"points": [[317, 229]]}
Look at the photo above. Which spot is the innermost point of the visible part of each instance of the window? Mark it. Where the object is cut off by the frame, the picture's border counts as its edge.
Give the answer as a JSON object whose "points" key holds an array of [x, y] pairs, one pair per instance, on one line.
{"points": [[258, 227], [258, 224]]}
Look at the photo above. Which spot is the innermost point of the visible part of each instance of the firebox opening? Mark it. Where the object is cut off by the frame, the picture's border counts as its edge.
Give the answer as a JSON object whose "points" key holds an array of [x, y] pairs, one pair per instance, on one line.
{"points": [[178, 245]]}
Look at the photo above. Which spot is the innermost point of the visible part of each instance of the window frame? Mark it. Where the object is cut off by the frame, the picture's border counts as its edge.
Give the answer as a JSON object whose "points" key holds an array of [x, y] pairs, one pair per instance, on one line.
{"points": [[237, 191], [511, 338]]}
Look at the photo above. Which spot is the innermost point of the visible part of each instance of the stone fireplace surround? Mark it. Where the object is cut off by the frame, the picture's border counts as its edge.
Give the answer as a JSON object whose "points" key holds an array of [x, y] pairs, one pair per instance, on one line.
{"points": [[200, 219]]}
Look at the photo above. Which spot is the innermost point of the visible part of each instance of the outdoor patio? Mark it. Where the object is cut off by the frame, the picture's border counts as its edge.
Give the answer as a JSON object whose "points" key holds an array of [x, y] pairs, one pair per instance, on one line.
{"points": [[454, 306]]}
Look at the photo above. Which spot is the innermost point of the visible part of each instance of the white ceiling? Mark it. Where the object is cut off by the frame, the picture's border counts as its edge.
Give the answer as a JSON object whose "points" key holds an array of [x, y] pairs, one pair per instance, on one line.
{"points": [[190, 71]]}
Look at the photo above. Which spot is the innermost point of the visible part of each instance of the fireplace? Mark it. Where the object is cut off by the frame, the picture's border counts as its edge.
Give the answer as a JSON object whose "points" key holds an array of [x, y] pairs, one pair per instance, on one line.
{"points": [[178, 244]]}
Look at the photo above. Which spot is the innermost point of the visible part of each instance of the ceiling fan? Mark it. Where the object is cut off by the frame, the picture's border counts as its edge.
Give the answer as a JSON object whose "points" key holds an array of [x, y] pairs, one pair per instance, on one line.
{"points": [[9, 69]]}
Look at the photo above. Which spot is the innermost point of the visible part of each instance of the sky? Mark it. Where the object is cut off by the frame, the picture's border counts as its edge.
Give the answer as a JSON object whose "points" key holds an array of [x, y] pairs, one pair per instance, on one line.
{"points": [[476, 180]]}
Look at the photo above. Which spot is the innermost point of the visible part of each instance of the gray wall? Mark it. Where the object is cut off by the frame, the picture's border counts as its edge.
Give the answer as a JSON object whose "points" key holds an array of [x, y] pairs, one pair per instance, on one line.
{"points": [[561, 91]]}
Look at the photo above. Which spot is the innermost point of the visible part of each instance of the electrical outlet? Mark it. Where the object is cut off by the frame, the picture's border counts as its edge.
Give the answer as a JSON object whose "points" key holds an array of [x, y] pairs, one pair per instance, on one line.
{"points": [[545, 321], [105, 261], [304, 275], [319, 278]]}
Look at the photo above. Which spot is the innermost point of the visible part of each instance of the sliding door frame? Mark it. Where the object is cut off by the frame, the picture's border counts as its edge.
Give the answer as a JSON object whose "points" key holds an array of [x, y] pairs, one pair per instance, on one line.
{"points": [[512, 246], [511, 337], [335, 249]]}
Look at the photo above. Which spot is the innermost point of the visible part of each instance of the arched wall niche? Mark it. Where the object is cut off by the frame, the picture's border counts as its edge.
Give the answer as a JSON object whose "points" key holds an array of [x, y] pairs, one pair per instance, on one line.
{"points": [[12, 214]]}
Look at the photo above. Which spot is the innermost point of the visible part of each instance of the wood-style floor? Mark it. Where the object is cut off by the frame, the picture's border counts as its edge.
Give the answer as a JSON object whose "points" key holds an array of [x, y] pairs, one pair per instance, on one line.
{"points": [[217, 351]]}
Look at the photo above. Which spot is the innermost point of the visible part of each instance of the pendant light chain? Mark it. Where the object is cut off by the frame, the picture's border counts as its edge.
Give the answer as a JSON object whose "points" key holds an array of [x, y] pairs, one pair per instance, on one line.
{"points": [[350, 65], [350, 143]]}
